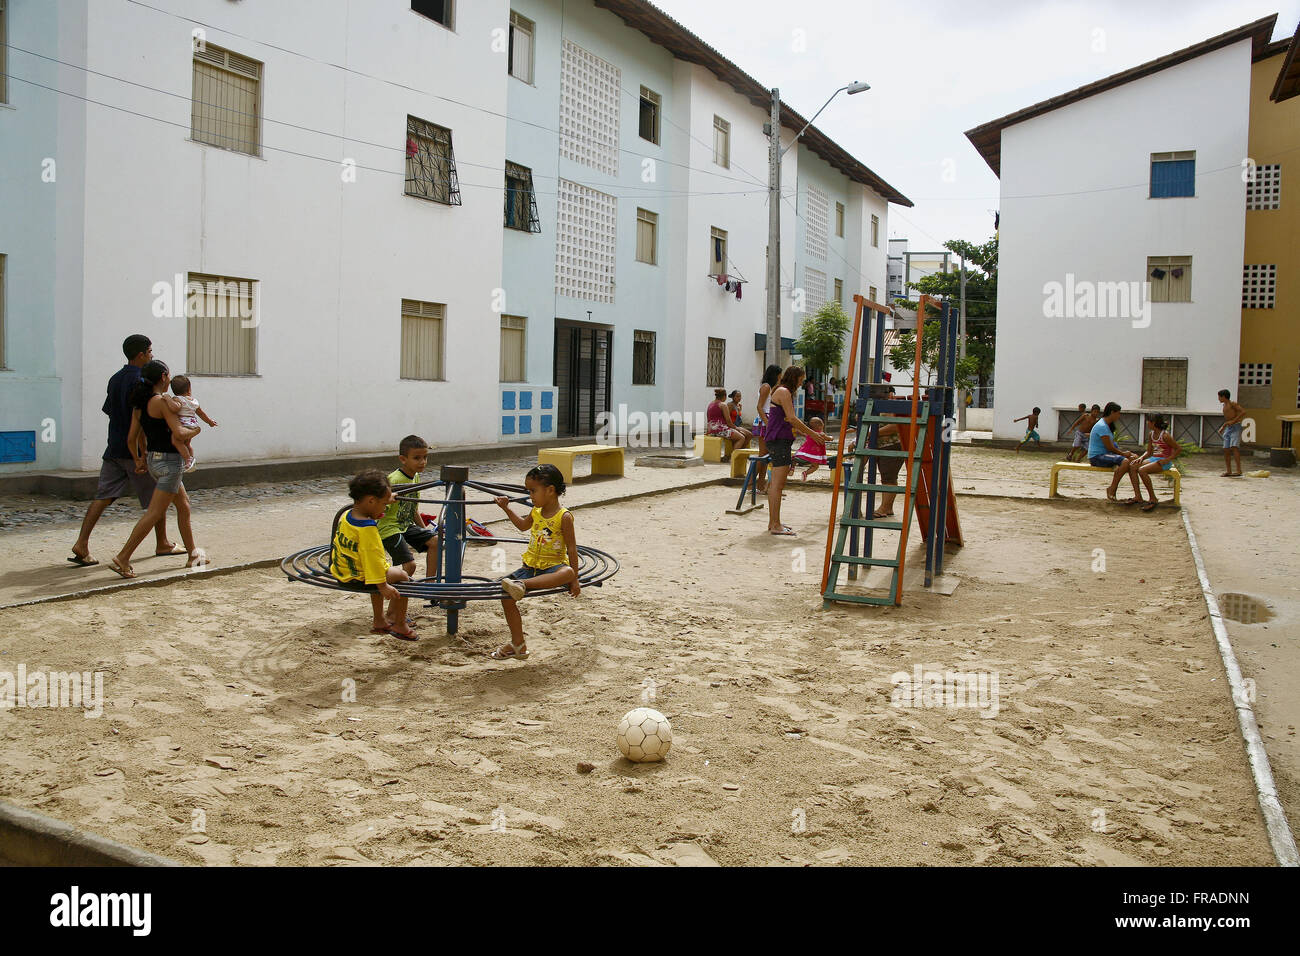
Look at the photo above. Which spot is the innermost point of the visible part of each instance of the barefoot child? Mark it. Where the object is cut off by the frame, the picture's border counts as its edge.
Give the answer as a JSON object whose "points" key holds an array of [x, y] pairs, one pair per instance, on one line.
{"points": [[1233, 414], [551, 543], [1160, 454], [188, 411], [402, 527], [357, 554], [1031, 429], [813, 450], [1080, 427]]}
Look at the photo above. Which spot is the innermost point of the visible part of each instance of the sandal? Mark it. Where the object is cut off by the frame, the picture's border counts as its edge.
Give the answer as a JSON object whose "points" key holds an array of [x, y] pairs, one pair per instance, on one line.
{"points": [[785, 531], [198, 558], [406, 634], [1150, 506], [513, 587], [508, 652], [81, 562], [122, 571], [176, 549], [882, 513]]}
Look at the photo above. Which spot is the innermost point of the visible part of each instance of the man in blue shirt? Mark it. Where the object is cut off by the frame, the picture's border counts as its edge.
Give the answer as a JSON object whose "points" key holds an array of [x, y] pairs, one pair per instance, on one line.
{"points": [[118, 469], [1104, 453]]}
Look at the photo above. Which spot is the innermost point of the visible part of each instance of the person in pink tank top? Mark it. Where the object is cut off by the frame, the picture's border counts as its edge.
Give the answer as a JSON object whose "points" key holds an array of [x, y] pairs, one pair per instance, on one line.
{"points": [[1162, 449]]}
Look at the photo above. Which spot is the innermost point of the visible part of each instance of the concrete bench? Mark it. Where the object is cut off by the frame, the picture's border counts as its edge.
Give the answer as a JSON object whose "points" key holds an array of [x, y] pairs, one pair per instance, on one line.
{"points": [[712, 447], [740, 461], [605, 459], [1061, 466]]}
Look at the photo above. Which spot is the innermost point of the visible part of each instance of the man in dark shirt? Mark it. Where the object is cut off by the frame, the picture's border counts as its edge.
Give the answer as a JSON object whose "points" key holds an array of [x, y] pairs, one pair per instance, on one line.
{"points": [[118, 469]]}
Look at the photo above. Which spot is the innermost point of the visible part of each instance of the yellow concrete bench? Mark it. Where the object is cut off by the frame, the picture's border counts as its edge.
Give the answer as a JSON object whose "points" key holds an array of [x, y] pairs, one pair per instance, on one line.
{"points": [[1061, 466], [605, 459], [740, 461], [712, 447]]}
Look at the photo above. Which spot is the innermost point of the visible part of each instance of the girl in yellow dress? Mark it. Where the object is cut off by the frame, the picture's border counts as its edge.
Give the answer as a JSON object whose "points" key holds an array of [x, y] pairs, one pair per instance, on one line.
{"points": [[551, 560]]}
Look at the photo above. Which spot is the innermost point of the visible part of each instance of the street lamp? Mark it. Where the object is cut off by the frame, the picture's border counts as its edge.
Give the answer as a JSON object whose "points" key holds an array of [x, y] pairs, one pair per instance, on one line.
{"points": [[774, 154]]}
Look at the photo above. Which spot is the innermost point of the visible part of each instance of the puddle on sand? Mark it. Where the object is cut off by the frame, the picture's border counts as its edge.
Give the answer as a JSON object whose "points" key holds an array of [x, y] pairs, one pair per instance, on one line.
{"points": [[1244, 608]]}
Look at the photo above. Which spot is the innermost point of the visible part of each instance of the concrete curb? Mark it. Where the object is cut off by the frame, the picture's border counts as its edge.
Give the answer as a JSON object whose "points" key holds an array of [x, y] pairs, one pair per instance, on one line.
{"points": [[28, 838], [1275, 822]]}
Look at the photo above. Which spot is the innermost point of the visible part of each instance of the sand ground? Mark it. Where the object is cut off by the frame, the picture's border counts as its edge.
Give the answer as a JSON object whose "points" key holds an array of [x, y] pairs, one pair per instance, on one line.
{"points": [[1113, 740]]}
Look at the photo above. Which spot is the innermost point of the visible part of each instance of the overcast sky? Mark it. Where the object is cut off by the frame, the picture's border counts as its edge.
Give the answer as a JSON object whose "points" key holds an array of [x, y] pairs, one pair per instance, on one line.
{"points": [[939, 68]]}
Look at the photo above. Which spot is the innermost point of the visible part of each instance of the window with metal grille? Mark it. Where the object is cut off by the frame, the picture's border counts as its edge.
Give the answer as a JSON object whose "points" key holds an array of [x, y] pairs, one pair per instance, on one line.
{"points": [[1173, 174], [1254, 373], [1164, 382], [875, 231], [422, 340], [521, 203], [839, 291], [430, 163], [1258, 286], [716, 369], [721, 142], [521, 47], [225, 105], [1170, 278], [514, 355], [839, 219], [1264, 187], [647, 236], [717, 251], [438, 10], [643, 358], [221, 325], [648, 126]]}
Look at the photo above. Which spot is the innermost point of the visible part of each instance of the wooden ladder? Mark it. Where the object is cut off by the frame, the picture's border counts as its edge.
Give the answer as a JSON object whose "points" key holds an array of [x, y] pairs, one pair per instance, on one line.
{"points": [[865, 454]]}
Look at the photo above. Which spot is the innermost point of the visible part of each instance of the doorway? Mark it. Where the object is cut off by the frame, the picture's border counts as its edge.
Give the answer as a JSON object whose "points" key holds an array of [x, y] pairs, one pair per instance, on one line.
{"points": [[583, 358]]}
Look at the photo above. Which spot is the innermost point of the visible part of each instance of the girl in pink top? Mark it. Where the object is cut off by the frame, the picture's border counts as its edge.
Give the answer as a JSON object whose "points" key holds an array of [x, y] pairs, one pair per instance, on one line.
{"points": [[813, 450], [1160, 455]]}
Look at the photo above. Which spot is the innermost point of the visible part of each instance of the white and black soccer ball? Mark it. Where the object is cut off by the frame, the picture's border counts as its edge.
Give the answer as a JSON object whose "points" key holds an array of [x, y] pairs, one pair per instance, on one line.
{"points": [[644, 735]]}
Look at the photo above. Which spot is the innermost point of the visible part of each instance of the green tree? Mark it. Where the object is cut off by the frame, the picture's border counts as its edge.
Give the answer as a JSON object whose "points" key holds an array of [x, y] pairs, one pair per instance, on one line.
{"points": [[981, 312], [821, 341]]}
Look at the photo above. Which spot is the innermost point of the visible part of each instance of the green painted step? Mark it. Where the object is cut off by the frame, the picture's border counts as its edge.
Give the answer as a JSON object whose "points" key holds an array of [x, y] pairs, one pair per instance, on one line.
{"points": [[856, 599], [872, 523], [893, 489], [874, 562], [880, 453]]}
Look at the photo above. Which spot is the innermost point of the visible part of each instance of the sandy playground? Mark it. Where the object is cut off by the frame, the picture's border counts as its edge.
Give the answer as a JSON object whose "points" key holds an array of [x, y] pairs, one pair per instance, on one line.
{"points": [[1114, 741]]}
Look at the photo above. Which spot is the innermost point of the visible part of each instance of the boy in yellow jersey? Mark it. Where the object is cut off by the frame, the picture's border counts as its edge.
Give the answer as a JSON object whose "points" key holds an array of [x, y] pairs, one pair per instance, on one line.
{"points": [[402, 529], [551, 543], [357, 555]]}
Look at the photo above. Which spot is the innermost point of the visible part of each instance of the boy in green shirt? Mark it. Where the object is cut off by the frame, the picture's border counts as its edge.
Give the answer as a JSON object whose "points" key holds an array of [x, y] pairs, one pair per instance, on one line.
{"points": [[402, 527]]}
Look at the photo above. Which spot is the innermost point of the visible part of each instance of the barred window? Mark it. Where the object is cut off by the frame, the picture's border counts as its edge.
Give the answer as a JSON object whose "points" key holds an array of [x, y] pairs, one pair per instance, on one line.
{"points": [[430, 163], [521, 202], [224, 110], [716, 369], [220, 325], [422, 340], [643, 358], [1164, 382]]}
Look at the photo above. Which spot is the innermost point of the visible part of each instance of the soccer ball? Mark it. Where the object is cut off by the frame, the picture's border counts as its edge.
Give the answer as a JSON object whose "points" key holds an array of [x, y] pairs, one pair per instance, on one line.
{"points": [[644, 735]]}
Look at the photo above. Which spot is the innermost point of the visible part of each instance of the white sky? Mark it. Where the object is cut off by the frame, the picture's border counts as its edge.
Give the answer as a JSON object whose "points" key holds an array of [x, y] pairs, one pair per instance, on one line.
{"points": [[939, 68]]}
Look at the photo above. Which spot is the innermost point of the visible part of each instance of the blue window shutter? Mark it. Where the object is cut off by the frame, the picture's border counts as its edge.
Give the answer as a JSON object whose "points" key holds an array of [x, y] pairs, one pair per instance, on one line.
{"points": [[1171, 178]]}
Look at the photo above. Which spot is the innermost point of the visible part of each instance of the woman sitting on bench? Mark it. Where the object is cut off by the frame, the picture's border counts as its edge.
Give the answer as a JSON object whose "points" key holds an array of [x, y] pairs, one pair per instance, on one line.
{"points": [[720, 423]]}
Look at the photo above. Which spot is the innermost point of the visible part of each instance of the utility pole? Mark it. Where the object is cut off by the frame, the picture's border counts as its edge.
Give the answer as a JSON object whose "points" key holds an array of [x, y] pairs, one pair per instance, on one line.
{"points": [[961, 348], [771, 353]]}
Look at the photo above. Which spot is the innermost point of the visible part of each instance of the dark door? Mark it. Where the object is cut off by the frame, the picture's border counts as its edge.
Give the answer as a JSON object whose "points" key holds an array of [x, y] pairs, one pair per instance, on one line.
{"points": [[582, 377]]}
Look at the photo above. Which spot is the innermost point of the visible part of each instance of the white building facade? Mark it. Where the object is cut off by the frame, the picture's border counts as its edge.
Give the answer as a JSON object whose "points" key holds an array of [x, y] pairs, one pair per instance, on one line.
{"points": [[1122, 216], [478, 222]]}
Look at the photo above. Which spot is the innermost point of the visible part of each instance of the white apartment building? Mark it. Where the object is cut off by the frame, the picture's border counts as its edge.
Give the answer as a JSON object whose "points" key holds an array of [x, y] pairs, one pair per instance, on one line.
{"points": [[1122, 216], [477, 221]]}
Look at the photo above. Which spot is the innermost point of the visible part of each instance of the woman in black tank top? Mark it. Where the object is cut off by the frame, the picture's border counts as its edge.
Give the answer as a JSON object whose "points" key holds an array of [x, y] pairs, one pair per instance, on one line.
{"points": [[157, 419]]}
